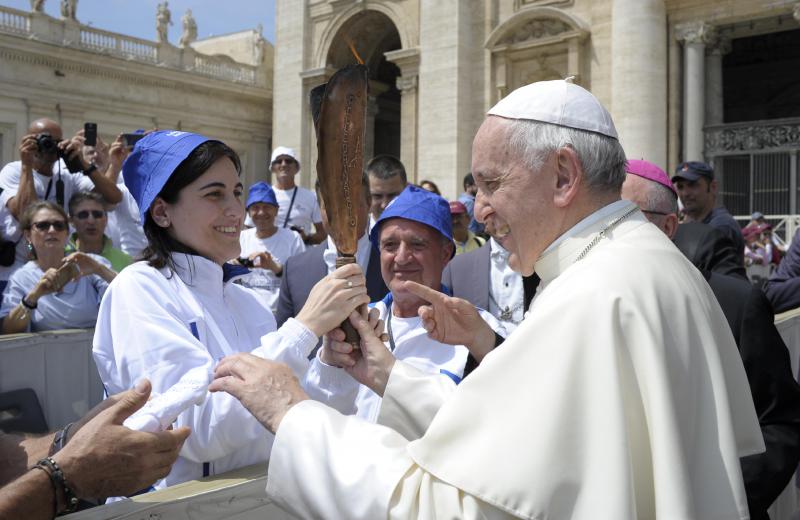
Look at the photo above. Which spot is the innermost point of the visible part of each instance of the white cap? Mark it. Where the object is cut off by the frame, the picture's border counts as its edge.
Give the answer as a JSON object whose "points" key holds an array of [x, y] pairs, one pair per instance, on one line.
{"points": [[557, 102], [285, 150]]}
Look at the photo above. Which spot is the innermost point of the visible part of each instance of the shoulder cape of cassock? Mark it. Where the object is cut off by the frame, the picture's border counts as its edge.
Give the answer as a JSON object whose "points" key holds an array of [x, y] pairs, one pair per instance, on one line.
{"points": [[621, 395]]}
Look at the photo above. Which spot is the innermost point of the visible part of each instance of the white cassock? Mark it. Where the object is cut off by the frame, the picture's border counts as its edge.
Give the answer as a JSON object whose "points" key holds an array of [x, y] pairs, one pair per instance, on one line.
{"points": [[621, 395]]}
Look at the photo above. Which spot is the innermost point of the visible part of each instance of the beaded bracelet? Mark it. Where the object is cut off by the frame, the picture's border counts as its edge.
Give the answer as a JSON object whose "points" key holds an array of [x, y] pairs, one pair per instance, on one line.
{"points": [[53, 470]]}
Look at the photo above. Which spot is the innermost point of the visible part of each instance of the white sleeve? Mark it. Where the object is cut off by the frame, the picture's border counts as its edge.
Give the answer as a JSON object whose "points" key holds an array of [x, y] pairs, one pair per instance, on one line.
{"points": [[412, 398], [326, 465], [290, 344], [9, 226], [297, 245], [80, 182], [140, 334], [332, 386], [9, 178]]}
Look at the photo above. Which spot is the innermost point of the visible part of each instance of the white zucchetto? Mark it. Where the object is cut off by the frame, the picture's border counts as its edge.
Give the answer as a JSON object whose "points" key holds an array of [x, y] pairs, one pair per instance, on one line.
{"points": [[557, 102]]}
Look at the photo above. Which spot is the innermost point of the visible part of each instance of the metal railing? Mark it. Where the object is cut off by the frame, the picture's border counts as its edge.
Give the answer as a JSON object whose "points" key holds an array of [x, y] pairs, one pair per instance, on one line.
{"points": [[783, 226]]}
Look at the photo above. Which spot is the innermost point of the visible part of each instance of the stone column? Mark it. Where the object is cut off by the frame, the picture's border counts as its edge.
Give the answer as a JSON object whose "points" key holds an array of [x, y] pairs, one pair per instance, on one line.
{"points": [[695, 36], [714, 99], [308, 137], [408, 62], [639, 77]]}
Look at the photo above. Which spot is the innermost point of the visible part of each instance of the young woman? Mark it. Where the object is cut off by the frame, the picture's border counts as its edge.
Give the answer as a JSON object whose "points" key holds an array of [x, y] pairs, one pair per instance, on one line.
{"points": [[35, 299], [174, 315]]}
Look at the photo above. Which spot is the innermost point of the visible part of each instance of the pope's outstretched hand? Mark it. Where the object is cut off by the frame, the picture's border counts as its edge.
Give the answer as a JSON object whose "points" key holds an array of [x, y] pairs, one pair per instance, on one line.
{"points": [[453, 321], [266, 388]]}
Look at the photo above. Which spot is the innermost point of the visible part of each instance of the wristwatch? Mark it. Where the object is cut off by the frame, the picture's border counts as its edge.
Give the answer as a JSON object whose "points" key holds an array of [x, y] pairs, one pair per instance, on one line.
{"points": [[91, 169]]}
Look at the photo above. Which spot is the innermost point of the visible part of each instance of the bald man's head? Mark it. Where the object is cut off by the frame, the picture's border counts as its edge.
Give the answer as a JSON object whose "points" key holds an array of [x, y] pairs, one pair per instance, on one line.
{"points": [[658, 203], [46, 126]]}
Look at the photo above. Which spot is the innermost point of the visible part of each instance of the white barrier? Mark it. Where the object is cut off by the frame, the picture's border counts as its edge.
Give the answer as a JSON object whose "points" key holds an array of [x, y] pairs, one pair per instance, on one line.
{"points": [[787, 506], [236, 495], [58, 366]]}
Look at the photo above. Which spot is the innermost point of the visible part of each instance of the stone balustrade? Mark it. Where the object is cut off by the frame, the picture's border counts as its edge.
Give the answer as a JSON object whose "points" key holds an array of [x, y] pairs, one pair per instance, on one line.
{"points": [[13, 21], [69, 33]]}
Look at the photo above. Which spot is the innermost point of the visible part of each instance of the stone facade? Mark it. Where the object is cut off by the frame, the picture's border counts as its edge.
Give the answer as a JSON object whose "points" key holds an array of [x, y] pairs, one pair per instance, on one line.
{"points": [[75, 73], [656, 65]]}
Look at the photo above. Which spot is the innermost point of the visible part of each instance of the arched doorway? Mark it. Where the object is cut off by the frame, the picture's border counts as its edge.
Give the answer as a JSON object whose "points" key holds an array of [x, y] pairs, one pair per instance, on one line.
{"points": [[372, 34]]}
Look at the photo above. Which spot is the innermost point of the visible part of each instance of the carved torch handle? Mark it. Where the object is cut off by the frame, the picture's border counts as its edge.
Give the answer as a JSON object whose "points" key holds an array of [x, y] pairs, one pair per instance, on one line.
{"points": [[351, 335]]}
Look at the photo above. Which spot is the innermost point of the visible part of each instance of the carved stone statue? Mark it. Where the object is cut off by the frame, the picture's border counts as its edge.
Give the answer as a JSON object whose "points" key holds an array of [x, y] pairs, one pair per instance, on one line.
{"points": [[69, 9], [37, 6], [163, 21], [189, 29]]}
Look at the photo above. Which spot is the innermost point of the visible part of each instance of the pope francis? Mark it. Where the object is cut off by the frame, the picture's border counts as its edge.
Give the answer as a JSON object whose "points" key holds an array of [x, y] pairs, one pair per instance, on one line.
{"points": [[620, 396]]}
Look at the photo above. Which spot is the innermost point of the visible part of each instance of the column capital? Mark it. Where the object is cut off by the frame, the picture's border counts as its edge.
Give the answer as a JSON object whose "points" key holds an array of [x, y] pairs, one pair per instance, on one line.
{"points": [[407, 60], [406, 84], [696, 33]]}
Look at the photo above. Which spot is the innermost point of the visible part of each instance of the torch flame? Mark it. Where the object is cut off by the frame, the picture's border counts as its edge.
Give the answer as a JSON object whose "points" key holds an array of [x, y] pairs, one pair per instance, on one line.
{"points": [[355, 53]]}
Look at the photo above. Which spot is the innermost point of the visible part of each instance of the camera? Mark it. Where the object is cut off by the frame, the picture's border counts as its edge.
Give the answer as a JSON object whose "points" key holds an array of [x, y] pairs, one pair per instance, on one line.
{"points": [[246, 262], [49, 146], [46, 144]]}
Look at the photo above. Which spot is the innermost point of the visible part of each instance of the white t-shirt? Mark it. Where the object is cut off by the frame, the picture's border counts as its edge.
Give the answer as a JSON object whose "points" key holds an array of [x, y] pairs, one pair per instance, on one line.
{"points": [[305, 210], [124, 228], [73, 182], [282, 245]]}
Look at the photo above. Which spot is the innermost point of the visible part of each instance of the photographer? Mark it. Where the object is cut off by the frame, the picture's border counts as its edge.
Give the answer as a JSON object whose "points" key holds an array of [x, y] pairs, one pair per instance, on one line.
{"points": [[42, 172]]}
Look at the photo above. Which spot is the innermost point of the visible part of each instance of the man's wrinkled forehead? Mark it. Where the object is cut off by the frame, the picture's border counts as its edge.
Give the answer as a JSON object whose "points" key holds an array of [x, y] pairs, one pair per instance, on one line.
{"points": [[46, 126], [411, 230]]}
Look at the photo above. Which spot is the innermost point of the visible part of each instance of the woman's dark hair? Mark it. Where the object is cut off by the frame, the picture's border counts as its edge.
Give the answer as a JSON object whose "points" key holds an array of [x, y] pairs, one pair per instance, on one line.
{"points": [[26, 220], [160, 245]]}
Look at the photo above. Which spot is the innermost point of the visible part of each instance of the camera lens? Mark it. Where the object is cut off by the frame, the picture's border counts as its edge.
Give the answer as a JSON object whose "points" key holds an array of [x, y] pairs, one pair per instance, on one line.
{"points": [[46, 144]]}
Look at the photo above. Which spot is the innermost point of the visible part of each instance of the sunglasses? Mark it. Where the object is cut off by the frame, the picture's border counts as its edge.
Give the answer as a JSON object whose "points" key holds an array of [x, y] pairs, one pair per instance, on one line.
{"points": [[45, 225], [96, 213], [283, 161]]}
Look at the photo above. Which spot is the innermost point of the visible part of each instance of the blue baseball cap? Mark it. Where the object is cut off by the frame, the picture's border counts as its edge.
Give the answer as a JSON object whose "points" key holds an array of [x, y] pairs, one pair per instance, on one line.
{"points": [[420, 205], [153, 160], [693, 170], [261, 192]]}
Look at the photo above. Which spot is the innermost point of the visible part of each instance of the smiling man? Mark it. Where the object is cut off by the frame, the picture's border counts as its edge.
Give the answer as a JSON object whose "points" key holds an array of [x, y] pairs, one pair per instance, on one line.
{"points": [[415, 240], [620, 395]]}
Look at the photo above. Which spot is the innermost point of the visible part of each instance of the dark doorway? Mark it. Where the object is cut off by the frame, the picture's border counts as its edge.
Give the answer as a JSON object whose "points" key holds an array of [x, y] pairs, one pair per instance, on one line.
{"points": [[761, 77], [372, 34]]}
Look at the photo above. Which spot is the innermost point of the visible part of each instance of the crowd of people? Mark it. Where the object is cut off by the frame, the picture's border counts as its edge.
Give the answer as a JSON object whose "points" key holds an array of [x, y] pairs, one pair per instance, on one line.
{"points": [[562, 322]]}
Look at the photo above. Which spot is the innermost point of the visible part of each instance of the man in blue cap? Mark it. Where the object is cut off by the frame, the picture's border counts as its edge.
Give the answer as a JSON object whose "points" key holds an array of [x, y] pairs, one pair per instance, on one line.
{"points": [[266, 247], [415, 240], [697, 189]]}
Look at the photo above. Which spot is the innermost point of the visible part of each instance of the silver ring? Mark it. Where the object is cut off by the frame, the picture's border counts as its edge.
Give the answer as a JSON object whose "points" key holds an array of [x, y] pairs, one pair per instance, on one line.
{"points": [[349, 284]]}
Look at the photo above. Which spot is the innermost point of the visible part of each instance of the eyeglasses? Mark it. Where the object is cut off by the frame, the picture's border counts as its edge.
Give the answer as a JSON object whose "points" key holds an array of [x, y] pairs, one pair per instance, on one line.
{"points": [[283, 161], [652, 212], [96, 213], [45, 225]]}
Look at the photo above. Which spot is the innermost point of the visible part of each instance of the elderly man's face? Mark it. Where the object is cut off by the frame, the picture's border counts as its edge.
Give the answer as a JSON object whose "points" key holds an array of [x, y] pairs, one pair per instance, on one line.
{"points": [[515, 204], [637, 190], [412, 251]]}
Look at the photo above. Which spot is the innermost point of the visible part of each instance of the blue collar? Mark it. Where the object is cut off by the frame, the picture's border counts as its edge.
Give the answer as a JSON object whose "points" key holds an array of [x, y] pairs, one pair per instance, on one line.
{"points": [[230, 271]]}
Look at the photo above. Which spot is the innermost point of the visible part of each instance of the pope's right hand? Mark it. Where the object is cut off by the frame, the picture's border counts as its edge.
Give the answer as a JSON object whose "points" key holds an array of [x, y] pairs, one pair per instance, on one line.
{"points": [[333, 298]]}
